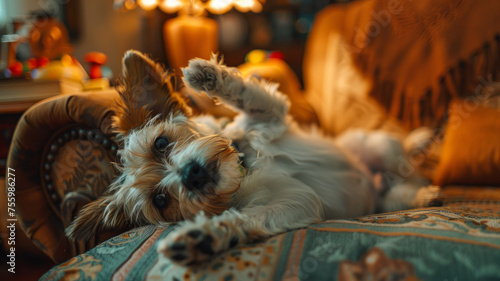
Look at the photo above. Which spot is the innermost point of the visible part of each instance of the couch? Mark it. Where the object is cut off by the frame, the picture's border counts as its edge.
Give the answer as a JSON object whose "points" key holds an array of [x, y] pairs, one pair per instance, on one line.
{"points": [[63, 148]]}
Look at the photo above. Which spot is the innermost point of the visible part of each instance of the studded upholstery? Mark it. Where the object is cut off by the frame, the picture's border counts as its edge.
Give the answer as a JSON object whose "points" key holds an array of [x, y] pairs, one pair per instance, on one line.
{"points": [[62, 152]]}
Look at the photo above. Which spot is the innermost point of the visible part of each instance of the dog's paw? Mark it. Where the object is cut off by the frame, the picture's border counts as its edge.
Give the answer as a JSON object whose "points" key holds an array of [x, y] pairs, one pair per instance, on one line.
{"points": [[187, 248], [198, 241], [428, 196], [203, 75]]}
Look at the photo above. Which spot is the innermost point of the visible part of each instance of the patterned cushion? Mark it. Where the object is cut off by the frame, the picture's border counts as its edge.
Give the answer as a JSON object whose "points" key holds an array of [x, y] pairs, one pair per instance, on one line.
{"points": [[441, 243]]}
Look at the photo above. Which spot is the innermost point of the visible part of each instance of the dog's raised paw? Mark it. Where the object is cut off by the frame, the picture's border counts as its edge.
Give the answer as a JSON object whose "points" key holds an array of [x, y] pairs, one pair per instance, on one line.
{"points": [[202, 75]]}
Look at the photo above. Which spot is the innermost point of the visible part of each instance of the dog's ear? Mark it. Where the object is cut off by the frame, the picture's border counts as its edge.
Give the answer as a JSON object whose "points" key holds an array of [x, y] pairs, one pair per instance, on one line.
{"points": [[147, 91], [102, 214]]}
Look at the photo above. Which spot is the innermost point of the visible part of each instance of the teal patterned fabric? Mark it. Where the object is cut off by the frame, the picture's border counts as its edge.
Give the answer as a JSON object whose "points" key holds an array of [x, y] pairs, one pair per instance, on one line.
{"points": [[442, 243]]}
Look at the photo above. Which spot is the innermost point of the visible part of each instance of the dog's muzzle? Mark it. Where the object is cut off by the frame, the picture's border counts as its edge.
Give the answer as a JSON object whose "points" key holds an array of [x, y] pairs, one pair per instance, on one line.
{"points": [[195, 176]]}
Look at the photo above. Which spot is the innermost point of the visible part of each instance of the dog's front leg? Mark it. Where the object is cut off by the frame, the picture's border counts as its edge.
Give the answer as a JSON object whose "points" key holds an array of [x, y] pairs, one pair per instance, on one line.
{"points": [[258, 100], [196, 241], [288, 205]]}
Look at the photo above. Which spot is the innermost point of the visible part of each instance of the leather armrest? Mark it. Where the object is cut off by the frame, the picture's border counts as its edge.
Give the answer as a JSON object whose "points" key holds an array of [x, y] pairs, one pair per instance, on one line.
{"points": [[61, 152]]}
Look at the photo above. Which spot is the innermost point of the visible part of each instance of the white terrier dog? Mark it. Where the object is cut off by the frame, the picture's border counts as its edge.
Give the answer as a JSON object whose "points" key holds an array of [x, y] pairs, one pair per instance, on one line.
{"points": [[232, 183]]}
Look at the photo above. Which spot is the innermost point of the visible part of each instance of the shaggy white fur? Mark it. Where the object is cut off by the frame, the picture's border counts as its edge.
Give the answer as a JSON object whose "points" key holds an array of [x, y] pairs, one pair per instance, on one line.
{"points": [[294, 177], [279, 178]]}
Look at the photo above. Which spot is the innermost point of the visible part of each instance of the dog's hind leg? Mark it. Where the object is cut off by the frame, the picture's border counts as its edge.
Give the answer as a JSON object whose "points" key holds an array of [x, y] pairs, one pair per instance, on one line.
{"points": [[258, 100]]}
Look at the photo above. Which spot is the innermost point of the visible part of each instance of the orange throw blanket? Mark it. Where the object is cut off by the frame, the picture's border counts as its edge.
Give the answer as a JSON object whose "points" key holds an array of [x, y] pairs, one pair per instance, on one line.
{"points": [[420, 54]]}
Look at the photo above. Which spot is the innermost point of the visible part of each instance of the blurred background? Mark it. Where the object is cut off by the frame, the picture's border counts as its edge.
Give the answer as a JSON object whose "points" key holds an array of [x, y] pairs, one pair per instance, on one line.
{"points": [[112, 27]]}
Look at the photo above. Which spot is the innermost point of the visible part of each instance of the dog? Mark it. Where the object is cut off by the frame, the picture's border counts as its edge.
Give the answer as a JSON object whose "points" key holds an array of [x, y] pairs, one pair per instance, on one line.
{"points": [[229, 183]]}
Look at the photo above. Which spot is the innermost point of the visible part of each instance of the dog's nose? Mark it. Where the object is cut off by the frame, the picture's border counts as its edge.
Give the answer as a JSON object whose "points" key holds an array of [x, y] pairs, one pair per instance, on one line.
{"points": [[194, 176]]}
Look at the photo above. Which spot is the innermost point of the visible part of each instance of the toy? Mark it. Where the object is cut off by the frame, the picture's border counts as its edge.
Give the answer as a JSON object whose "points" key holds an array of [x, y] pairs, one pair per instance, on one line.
{"points": [[65, 68], [96, 60], [258, 56]]}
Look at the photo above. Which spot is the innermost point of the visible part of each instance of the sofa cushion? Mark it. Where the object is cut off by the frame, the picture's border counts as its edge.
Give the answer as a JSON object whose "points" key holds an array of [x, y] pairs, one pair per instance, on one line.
{"points": [[442, 243], [471, 148]]}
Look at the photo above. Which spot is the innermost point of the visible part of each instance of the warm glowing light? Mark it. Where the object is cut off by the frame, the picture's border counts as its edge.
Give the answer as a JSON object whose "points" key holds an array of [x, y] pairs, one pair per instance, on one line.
{"points": [[219, 6], [171, 6], [148, 4], [197, 7], [244, 5], [257, 7]]}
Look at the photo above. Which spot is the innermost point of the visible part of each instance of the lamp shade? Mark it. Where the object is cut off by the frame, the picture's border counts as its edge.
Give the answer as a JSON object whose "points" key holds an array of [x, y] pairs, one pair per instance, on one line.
{"points": [[187, 37], [171, 6], [217, 7], [191, 34], [148, 4]]}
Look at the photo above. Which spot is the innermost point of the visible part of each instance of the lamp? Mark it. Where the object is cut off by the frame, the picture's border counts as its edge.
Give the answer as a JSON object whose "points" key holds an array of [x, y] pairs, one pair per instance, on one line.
{"points": [[191, 34]]}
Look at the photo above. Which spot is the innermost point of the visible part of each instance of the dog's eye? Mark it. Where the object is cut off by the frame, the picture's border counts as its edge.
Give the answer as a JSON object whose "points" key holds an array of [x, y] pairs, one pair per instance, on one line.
{"points": [[160, 201], [161, 143]]}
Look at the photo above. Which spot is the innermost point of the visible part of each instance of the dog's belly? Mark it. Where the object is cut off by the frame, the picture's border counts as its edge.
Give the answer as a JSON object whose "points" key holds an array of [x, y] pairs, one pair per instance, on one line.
{"points": [[340, 184]]}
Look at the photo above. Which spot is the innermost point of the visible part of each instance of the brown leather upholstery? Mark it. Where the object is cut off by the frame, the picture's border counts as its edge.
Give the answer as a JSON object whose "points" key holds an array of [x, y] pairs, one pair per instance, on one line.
{"points": [[61, 151]]}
